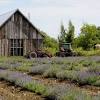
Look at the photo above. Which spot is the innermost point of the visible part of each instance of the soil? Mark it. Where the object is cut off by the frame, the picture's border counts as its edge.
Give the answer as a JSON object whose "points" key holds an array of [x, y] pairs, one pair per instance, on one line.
{"points": [[10, 92]]}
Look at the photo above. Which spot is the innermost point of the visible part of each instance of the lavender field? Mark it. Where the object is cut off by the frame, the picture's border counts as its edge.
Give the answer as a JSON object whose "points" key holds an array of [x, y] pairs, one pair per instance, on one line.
{"points": [[72, 75]]}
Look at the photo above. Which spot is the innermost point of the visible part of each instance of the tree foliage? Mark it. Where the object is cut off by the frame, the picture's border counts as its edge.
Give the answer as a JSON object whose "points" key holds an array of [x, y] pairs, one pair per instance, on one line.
{"points": [[98, 35], [67, 35], [62, 36], [89, 36], [70, 33], [49, 42]]}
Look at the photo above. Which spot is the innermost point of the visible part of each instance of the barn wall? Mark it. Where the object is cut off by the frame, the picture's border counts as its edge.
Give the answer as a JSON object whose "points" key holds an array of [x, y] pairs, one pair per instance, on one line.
{"points": [[4, 47], [17, 27], [3, 41], [28, 46], [39, 36]]}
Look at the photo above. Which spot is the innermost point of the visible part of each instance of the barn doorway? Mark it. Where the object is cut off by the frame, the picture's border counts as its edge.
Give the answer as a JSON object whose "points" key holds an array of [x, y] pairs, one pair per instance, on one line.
{"points": [[16, 47]]}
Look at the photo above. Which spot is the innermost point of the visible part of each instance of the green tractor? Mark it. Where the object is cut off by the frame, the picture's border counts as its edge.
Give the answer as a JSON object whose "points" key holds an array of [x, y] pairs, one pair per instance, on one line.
{"points": [[65, 50]]}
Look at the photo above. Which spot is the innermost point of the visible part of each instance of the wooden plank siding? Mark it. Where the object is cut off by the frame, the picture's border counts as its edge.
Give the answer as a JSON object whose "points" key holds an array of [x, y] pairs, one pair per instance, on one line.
{"points": [[18, 27]]}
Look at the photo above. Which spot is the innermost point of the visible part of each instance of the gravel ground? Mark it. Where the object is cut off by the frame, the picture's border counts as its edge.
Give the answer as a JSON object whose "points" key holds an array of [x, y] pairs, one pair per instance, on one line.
{"points": [[9, 92]]}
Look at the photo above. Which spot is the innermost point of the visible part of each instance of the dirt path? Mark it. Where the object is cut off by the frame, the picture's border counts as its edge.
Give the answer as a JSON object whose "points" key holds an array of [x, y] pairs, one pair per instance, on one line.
{"points": [[9, 92], [49, 81]]}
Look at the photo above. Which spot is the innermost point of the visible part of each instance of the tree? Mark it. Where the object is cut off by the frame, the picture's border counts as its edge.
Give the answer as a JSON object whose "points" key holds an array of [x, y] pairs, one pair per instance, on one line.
{"points": [[62, 36], [98, 35], [67, 35], [49, 42], [70, 33], [88, 36]]}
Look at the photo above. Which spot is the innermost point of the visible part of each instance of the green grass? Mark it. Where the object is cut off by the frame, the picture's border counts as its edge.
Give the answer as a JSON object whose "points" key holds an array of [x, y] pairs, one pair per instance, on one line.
{"points": [[82, 52]]}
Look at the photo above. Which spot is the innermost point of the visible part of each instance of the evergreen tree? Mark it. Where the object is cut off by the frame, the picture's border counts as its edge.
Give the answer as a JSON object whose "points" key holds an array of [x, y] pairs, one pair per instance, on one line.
{"points": [[62, 36], [70, 33]]}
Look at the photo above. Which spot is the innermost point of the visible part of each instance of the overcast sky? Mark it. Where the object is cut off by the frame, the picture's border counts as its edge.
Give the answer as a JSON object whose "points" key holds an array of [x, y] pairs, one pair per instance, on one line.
{"points": [[47, 15]]}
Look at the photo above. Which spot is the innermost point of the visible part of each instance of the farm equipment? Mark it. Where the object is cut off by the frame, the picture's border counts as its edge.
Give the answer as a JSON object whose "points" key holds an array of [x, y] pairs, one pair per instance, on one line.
{"points": [[38, 54], [65, 49]]}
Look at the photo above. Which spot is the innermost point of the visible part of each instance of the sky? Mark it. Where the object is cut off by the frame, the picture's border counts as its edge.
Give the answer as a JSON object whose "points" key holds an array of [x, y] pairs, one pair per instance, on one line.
{"points": [[47, 15]]}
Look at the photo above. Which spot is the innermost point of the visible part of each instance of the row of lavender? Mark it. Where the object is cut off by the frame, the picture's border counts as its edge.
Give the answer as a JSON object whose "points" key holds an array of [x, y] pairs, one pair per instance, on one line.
{"points": [[58, 92], [81, 70], [75, 63], [82, 77]]}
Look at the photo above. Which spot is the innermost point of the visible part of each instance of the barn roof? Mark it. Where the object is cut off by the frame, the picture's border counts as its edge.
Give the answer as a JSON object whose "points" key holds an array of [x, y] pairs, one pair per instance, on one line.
{"points": [[4, 17]]}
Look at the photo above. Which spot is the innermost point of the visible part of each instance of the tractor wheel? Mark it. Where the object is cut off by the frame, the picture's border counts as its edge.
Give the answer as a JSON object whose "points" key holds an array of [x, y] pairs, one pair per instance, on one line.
{"points": [[33, 55]]}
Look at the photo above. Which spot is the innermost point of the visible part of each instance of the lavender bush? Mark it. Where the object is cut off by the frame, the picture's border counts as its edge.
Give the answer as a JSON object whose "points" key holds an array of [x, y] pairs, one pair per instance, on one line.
{"points": [[68, 92], [52, 92], [51, 72], [87, 77], [67, 75], [23, 80], [39, 69], [83, 70]]}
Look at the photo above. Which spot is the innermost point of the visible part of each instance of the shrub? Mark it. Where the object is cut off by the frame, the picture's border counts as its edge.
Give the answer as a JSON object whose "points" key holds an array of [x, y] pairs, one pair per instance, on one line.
{"points": [[77, 95], [94, 68], [56, 92], [64, 75], [82, 52], [31, 86], [87, 77], [97, 83], [40, 69], [40, 89], [51, 72]]}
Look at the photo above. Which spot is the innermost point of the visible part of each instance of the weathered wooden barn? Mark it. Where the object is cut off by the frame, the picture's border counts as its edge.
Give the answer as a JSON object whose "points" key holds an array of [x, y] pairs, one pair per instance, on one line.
{"points": [[18, 35]]}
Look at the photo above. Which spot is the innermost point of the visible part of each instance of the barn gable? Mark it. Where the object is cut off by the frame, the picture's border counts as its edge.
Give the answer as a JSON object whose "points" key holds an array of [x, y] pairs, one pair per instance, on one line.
{"points": [[4, 17], [17, 34], [15, 19]]}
